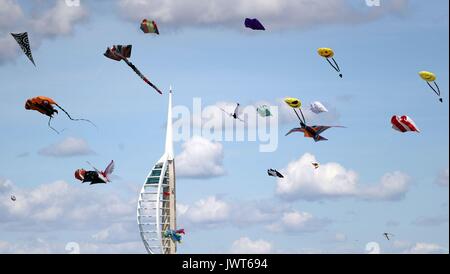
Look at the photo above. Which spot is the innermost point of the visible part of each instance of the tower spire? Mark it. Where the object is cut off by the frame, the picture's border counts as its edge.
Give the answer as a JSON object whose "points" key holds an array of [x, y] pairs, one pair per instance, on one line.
{"points": [[169, 129]]}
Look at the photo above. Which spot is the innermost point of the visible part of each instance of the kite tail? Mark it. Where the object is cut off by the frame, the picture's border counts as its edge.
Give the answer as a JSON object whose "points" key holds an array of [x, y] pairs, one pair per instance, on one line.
{"points": [[70, 117], [134, 68], [335, 66], [49, 125]]}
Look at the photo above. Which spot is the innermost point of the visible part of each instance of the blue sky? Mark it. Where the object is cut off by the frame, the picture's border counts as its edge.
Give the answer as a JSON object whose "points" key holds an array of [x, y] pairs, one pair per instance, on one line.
{"points": [[221, 62]]}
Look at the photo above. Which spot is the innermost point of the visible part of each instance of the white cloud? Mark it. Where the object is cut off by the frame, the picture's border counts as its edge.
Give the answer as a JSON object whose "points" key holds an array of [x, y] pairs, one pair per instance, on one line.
{"points": [[200, 158], [244, 245], [209, 211], [5, 185], [213, 212], [296, 221], [426, 248], [274, 14], [442, 178], [68, 147], [332, 180], [59, 20], [42, 23], [58, 205], [10, 13]]}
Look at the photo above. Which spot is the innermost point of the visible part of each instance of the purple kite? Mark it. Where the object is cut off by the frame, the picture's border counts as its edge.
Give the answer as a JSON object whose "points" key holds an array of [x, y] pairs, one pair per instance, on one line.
{"points": [[253, 24]]}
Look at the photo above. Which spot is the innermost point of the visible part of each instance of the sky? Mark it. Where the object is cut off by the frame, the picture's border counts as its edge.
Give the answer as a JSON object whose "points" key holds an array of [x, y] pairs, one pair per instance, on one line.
{"points": [[372, 179]]}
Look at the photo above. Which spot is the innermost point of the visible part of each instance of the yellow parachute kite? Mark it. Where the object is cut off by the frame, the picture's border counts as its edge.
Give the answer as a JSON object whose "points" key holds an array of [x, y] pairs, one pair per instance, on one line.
{"points": [[328, 54], [430, 77], [296, 103], [293, 102]]}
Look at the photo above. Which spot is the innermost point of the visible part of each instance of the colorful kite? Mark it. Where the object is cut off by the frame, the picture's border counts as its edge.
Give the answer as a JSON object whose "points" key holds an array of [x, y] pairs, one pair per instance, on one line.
{"points": [[328, 54], [308, 131], [44, 105], [96, 176], [429, 77], [253, 24], [149, 26], [264, 111], [24, 43], [317, 107], [121, 52], [175, 235], [403, 124]]}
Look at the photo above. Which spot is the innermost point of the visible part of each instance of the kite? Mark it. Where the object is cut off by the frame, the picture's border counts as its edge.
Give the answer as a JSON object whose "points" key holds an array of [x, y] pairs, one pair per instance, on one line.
{"points": [[96, 176], [429, 77], [235, 113], [328, 53], [148, 26], [121, 52], [44, 105], [274, 173], [403, 124], [24, 43], [386, 234], [13, 198], [312, 132], [315, 165], [317, 107], [175, 235], [293, 102], [264, 111], [253, 24], [309, 132]]}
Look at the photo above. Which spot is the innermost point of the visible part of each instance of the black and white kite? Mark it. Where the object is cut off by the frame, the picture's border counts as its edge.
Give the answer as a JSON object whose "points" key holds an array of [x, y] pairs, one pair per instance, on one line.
{"points": [[24, 43]]}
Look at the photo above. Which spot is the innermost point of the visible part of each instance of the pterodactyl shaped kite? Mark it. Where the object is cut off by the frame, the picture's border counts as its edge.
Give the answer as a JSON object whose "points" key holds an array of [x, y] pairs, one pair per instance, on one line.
{"points": [[308, 131], [235, 114], [274, 173], [120, 52], [312, 132]]}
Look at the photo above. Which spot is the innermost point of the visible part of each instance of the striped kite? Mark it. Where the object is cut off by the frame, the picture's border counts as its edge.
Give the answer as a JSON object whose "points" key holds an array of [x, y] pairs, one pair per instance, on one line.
{"points": [[403, 124]]}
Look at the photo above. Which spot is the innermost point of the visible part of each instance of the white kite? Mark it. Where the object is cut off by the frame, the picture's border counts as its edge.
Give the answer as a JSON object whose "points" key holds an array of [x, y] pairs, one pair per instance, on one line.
{"points": [[318, 107]]}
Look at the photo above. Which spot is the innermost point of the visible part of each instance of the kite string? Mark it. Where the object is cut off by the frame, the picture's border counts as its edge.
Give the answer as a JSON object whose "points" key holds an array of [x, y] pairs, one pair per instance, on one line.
{"points": [[335, 66], [49, 125], [70, 117], [438, 91], [302, 121]]}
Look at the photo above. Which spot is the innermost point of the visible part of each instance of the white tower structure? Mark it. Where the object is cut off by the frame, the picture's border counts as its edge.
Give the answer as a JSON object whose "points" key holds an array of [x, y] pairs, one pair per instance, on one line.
{"points": [[156, 210]]}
